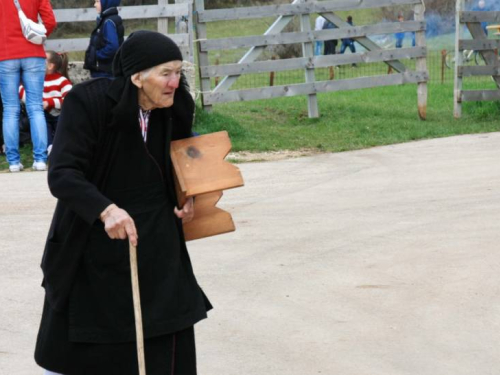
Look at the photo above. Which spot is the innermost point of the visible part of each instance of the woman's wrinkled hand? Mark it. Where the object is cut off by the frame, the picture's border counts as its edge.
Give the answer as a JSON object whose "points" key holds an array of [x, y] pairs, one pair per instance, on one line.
{"points": [[118, 224], [186, 213]]}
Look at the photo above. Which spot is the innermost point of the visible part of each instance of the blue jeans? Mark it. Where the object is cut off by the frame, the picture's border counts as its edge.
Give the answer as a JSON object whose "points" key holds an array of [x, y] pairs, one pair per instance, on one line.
{"points": [[318, 48], [31, 71], [348, 44]]}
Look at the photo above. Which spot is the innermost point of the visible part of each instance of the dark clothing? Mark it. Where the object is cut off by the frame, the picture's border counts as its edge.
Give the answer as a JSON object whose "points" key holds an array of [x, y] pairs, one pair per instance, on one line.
{"points": [[164, 355], [348, 43], [105, 40], [86, 274], [330, 45], [51, 126]]}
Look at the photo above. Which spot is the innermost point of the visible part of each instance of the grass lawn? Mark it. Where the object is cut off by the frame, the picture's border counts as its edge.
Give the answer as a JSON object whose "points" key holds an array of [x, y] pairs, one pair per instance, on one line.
{"points": [[349, 120]]}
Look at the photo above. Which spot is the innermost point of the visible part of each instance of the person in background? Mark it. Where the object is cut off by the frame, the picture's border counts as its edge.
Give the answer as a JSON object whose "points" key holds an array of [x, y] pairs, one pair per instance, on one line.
{"points": [[318, 25], [481, 7], [348, 42], [330, 45], [105, 40], [21, 60], [400, 36], [56, 86]]}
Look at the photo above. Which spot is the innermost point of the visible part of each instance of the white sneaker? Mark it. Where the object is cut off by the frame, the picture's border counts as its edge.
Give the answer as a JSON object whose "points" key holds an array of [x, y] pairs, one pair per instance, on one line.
{"points": [[49, 149], [16, 168], [39, 166]]}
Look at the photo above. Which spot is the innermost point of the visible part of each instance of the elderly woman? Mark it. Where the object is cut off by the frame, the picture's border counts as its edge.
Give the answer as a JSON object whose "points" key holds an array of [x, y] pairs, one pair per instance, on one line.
{"points": [[111, 172]]}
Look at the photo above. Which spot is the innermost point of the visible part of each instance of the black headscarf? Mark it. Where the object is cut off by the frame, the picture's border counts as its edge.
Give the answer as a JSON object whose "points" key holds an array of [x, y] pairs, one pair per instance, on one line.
{"points": [[143, 50]]}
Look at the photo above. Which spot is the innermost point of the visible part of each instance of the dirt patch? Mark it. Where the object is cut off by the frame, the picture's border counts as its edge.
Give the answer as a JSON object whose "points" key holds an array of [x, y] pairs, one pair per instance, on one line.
{"points": [[246, 156]]}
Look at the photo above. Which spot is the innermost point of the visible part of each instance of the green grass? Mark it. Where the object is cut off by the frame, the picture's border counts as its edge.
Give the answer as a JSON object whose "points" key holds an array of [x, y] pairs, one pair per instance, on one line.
{"points": [[349, 120]]}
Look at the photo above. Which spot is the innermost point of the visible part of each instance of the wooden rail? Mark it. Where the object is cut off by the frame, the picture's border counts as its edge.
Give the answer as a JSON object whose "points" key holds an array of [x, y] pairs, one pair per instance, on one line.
{"points": [[488, 49], [308, 63], [160, 12]]}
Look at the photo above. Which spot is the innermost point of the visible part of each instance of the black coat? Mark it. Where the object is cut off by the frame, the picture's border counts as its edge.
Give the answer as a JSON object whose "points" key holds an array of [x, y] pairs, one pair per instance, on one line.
{"points": [[86, 152]]}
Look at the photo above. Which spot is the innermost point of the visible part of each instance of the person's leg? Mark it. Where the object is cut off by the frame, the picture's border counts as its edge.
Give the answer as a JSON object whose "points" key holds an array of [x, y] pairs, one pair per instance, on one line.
{"points": [[343, 47], [33, 75], [47, 372], [51, 127], [352, 47], [184, 353], [9, 89]]}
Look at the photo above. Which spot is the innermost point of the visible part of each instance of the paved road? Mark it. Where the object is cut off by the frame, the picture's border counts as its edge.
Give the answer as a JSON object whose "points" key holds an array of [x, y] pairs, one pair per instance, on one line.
{"points": [[379, 262]]}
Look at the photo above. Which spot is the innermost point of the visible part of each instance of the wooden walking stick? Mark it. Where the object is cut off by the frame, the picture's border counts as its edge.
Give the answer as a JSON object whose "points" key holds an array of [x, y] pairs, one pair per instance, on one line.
{"points": [[136, 296]]}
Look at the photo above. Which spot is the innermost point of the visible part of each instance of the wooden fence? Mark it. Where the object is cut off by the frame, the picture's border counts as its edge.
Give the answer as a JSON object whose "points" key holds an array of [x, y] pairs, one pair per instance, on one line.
{"points": [[162, 12], [274, 36], [488, 49]]}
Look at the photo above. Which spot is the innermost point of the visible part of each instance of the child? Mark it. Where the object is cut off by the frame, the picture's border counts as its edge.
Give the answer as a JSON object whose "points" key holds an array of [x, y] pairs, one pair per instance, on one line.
{"points": [[55, 88], [105, 40], [400, 36]]}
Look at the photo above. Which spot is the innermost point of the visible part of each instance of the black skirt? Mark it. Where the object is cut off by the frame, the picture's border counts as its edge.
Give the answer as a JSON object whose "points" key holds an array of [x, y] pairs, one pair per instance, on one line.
{"points": [[172, 354]]}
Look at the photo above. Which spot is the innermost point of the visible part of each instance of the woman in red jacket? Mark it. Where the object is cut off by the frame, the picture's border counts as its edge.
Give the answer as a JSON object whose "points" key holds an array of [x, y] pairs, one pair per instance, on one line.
{"points": [[21, 60]]}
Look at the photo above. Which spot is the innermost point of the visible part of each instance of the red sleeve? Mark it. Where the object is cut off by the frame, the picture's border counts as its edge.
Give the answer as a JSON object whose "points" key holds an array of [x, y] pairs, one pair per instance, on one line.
{"points": [[47, 14], [50, 103]]}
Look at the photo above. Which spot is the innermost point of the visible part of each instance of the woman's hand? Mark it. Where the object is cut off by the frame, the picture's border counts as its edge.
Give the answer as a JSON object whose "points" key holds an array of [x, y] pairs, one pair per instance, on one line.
{"points": [[186, 213], [118, 224]]}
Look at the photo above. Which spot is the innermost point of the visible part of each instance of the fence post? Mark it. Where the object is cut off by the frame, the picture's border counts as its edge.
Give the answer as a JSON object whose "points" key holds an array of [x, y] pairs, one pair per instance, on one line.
{"points": [[443, 63], [421, 63], [180, 28], [163, 22], [271, 75], [201, 34], [217, 62], [308, 52], [457, 108]]}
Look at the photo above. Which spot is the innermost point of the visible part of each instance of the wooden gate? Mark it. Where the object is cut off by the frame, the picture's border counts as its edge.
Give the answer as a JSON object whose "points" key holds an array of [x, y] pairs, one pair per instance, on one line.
{"points": [[162, 12], [479, 43], [308, 62]]}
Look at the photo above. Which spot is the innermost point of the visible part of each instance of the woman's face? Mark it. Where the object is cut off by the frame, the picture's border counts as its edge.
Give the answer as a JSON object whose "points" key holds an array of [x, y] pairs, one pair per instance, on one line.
{"points": [[97, 6], [157, 88]]}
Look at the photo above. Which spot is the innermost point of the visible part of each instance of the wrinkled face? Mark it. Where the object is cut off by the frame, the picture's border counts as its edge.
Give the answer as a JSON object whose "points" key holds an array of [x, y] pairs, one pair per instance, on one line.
{"points": [[97, 6], [157, 87]]}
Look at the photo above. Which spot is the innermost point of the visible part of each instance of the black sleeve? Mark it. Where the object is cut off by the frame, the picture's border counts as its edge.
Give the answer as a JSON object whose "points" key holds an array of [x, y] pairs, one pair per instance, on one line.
{"points": [[70, 159]]}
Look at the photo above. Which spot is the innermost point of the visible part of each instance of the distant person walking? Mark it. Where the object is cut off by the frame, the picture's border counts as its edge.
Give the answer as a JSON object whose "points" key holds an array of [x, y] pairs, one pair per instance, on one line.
{"points": [[330, 45], [481, 7], [400, 36], [318, 25], [105, 40], [348, 42], [21, 60]]}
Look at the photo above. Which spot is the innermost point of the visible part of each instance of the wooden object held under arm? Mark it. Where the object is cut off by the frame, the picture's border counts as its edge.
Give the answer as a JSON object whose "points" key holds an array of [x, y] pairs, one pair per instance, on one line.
{"points": [[202, 172]]}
